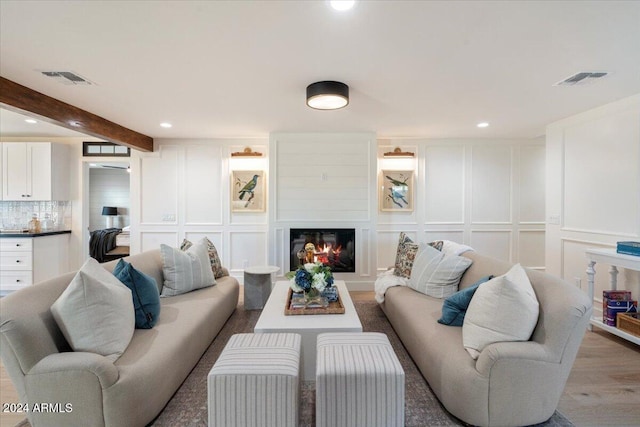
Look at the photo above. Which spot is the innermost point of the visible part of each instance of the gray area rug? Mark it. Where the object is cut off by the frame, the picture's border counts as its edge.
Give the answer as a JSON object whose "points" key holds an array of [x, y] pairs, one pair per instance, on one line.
{"points": [[188, 407]]}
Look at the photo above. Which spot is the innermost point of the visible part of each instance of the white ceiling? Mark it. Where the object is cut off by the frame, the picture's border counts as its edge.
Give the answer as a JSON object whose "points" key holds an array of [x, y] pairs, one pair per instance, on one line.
{"points": [[13, 124], [240, 68]]}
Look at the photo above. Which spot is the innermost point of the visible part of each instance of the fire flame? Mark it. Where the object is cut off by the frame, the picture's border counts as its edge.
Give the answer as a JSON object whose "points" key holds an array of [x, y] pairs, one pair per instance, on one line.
{"points": [[327, 249], [323, 252]]}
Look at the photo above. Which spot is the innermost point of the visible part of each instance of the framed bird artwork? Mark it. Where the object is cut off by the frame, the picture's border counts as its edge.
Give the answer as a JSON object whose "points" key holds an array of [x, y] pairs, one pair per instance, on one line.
{"points": [[396, 190], [248, 191]]}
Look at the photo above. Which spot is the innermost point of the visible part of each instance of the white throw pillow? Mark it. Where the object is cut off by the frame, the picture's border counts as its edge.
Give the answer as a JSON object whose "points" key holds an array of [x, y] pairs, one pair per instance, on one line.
{"points": [[503, 309], [186, 271], [436, 274], [95, 313]]}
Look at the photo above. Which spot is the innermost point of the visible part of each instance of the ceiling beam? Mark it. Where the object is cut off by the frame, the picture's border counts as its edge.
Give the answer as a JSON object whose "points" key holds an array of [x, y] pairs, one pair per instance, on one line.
{"points": [[27, 101]]}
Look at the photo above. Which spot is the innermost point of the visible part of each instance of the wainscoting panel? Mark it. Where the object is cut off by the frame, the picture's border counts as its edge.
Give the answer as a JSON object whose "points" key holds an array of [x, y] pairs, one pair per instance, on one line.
{"points": [[531, 248], [363, 261], [228, 187], [601, 175], [444, 184], [159, 182], [491, 184], [214, 236], [532, 183], [152, 239], [574, 267], [202, 188], [453, 235], [247, 249], [281, 250], [387, 247], [493, 243]]}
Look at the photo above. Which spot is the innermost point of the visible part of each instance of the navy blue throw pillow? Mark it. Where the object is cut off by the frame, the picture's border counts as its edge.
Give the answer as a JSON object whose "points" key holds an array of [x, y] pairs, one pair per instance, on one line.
{"points": [[146, 299], [455, 306]]}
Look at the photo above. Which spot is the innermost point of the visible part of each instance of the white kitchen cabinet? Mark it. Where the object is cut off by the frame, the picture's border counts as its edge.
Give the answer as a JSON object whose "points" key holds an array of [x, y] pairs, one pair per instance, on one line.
{"points": [[34, 171], [28, 260], [16, 264]]}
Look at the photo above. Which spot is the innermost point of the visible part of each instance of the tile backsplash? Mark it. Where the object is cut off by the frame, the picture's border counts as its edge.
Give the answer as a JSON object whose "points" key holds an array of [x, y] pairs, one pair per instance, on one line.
{"points": [[16, 215]]}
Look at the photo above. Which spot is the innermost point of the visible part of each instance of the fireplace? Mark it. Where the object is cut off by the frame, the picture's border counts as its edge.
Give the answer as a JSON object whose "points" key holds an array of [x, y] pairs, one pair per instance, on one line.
{"points": [[334, 247]]}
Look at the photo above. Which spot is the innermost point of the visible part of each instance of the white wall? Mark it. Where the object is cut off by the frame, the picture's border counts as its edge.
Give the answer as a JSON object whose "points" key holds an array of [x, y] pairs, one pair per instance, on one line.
{"points": [[483, 193], [181, 190], [108, 187], [488, 194], [593, 191], [324, 180]]}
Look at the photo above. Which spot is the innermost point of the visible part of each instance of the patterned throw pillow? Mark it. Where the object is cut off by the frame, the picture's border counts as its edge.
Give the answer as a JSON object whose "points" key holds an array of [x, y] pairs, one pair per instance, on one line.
{"points": [[216, 265], [437, 244], [405, 255]]}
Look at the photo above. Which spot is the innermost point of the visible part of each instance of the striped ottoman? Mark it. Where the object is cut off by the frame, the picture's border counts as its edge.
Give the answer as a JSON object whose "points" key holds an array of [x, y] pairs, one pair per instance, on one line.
{"points": [[255, 382], [359, 381]]}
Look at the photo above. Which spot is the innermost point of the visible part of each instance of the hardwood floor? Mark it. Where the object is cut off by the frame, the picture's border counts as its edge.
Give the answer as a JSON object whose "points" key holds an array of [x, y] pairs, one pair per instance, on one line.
{"points": [[603, 388]]}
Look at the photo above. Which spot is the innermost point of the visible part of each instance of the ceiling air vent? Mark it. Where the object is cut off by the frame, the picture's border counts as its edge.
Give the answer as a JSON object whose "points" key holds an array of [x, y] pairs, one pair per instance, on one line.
{"points": [[582, 78], [67, 77]]}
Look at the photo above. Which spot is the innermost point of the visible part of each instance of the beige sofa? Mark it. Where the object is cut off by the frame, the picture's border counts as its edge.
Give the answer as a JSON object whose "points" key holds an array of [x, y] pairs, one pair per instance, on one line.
{"points": [[133, 390], [511, 383]]}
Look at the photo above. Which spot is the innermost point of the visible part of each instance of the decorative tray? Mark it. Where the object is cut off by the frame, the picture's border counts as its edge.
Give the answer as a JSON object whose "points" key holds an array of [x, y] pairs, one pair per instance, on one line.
{"points": [[333, 307]]}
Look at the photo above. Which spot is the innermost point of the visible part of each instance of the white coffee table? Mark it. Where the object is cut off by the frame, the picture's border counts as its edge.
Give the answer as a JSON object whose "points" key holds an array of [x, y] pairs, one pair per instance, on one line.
{"points": [[273, 319]]}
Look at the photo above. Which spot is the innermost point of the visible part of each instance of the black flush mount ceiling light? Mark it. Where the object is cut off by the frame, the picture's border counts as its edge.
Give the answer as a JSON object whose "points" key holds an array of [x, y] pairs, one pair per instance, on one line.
{"points": [[327, 95]]}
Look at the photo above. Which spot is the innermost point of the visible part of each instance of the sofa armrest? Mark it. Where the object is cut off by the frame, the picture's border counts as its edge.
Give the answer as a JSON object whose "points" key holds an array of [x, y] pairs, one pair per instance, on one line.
{"points": [[524, 375], [69, 362], [74, 382], [512, 350]]}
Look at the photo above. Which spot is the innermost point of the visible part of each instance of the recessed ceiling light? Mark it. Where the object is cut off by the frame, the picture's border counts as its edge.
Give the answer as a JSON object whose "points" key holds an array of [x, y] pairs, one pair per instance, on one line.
{"points": [[342, 5], [166, 125], [31, 121], [483, 125]]}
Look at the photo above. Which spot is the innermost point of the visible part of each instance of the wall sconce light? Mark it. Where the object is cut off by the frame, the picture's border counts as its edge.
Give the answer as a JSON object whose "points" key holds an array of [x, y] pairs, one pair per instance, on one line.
{"points": [[109, 212], [247, 152], [397, 152], [327, 95]]}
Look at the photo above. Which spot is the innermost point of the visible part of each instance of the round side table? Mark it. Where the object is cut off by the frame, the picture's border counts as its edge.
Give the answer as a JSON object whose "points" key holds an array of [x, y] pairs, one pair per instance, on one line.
{"points": [[257, 286]]}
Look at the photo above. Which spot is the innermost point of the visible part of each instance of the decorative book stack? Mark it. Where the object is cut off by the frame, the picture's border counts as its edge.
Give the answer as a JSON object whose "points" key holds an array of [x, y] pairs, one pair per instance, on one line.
{"points": [[614, 302], [628, 248]]}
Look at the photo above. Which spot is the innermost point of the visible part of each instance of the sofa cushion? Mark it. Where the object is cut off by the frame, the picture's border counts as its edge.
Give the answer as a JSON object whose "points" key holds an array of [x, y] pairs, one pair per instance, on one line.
{"points": [[214, 259], [405, 255], [186, 271], [455, 306], [95, 312], [436, 274], [144, 290], [503, 309]]}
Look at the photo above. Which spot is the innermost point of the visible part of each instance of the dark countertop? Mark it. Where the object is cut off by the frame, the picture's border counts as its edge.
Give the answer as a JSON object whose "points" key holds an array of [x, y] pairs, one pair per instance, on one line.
{"points": [[27, 234]]}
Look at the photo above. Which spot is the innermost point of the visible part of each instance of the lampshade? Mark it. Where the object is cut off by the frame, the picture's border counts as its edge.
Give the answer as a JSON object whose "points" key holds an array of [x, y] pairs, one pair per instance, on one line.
{"points": [[109, 210], [327, 95]]}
